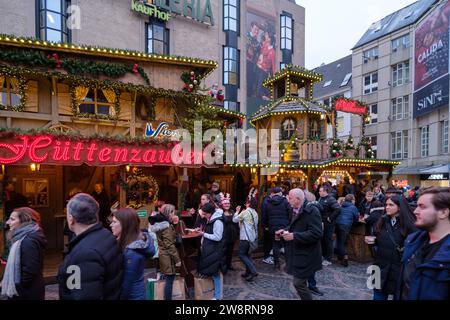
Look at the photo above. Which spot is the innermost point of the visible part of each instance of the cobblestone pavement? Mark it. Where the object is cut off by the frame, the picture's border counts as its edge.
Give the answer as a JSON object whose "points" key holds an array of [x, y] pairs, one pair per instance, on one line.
{"points": [[335, 281]]}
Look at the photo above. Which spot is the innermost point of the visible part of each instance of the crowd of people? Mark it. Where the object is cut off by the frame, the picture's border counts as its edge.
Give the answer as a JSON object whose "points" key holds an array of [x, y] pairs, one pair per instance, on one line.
{"points": [[411, 246]]}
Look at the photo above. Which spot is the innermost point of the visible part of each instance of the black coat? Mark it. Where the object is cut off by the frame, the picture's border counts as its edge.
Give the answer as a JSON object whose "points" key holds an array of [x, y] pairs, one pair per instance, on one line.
{"points": [[230, 230], [100, 260], [31, 286], [304, 253], [276, 213], [330, 208], [349, 189], [105, 206], [388, 258], [212, 258]]}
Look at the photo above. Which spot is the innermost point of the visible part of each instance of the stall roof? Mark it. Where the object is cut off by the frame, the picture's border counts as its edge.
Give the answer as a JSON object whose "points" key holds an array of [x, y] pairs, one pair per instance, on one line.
{"points": [[289, 105], [207, 66]]}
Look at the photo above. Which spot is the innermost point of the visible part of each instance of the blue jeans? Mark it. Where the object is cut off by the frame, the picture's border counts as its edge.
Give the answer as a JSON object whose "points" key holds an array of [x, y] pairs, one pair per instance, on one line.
{"points": [[217, 286], [342, 232], [168, 286], [244, 247], [378, 295]]}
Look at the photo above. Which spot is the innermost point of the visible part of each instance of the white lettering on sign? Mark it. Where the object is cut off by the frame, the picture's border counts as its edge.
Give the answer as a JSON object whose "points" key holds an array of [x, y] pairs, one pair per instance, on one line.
{"points": [[436, 177]]}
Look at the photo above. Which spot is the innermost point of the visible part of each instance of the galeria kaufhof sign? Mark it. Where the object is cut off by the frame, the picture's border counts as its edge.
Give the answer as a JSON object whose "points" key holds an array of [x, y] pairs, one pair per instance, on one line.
{"points": [[198, 10]]}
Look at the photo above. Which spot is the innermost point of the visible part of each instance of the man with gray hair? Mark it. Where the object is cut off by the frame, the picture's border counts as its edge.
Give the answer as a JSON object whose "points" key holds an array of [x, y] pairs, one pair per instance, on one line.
{"points": [[303, 235], [92, 266]]}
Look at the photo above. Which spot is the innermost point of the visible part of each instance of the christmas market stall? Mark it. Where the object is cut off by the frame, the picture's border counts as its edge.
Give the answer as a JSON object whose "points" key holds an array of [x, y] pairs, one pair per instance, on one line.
{"points": [[310, 152], [76, 118]]}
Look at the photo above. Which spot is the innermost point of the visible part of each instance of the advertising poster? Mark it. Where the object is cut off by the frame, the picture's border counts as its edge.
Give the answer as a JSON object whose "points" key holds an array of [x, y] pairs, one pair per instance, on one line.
{"points": [[432, 61], [260, 57]]}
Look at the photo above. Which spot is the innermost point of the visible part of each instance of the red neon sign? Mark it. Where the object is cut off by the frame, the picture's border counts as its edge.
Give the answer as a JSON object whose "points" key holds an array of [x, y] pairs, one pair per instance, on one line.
{"points": [[47, 149], [350, 106]]}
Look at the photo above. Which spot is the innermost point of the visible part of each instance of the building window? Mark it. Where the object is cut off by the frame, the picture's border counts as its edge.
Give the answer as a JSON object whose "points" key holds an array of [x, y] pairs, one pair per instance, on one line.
{"points": [[370, 54], [373, 113], [444, 135], [399, 145], [400, 108], [374, 145], [231, 15], [230, 66], [158, 38], [286, 32], [231, 105], [346, 79], [400, 74], [96, 101], [424, 141], [371, 83], [401, 41], [52, 20], [9, 92]]}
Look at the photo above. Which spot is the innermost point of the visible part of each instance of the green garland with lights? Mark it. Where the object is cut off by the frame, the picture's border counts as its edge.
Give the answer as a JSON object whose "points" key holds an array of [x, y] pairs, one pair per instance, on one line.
{"points": [[201, 111], [366, 144], [22, 92], [78, 136], [38, 58]]}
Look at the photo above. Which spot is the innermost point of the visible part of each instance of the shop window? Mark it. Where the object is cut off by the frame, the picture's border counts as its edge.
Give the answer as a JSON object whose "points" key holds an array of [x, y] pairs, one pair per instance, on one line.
{"points": [[9, 92], [288, 128], [158, 37], [231, 15], [286, 32], [230, 66], [52, 20], [95, 101], [36, 191]]}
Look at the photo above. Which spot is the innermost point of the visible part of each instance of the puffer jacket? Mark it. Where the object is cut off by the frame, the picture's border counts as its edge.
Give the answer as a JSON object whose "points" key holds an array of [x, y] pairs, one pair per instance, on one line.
{"points": [[100, 261], [212, 257], [275, 213], [349, 214], [134, 256], [168, 254]]}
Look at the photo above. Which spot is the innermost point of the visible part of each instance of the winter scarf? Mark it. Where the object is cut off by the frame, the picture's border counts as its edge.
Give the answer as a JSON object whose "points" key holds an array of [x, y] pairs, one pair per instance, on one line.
{"points": [[13, 266]]}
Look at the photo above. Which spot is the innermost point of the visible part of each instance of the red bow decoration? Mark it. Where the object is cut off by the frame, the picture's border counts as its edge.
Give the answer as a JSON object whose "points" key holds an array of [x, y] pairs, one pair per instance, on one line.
{"points": [[135, 68], [55, 56]]}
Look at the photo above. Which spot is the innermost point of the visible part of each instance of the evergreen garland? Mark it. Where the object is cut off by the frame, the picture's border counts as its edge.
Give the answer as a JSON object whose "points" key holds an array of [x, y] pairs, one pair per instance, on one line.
{"points": [[336, 149], [201, 111], [37, 58]]}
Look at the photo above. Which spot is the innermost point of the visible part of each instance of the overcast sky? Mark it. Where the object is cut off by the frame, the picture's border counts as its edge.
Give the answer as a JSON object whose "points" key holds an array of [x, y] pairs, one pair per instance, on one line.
{"points": [[333, 27]]}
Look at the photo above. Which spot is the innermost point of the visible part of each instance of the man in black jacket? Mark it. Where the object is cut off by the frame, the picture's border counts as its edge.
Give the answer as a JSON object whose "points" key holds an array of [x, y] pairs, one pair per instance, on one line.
{"points": [[276, 215], [92, 266], [330, 211], [303, 252]]}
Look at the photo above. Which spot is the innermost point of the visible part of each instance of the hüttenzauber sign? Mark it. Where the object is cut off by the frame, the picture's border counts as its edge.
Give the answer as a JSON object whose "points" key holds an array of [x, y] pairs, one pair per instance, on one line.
{"points": [[431, 82], [162, 9]]}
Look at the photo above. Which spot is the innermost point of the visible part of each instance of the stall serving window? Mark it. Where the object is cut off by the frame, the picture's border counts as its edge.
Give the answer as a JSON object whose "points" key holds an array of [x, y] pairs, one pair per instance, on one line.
{"points": [[95, 101], [36, 191], [10, 94]]}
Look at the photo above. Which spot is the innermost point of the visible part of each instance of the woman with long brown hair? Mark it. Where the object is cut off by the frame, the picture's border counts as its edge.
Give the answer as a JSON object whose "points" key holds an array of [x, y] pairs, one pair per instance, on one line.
{"points": [[136, 247], [23, 278], [391, 231]]}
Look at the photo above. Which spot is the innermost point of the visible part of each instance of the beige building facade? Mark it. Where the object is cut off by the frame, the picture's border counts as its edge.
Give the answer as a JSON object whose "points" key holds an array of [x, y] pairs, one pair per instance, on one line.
{"points": [[207, 29], [383, 72]]}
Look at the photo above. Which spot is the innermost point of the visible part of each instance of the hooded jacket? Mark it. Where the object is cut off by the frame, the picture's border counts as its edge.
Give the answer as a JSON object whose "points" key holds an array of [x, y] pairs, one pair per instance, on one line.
{"points": [[134, 256], [431, 279], [168, 254], [275, 213], [212, 257], [349, 214]]}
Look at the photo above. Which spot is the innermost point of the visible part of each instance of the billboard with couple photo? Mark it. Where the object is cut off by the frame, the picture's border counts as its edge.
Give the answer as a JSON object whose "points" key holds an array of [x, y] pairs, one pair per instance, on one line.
{"points": [[260, 57]]}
